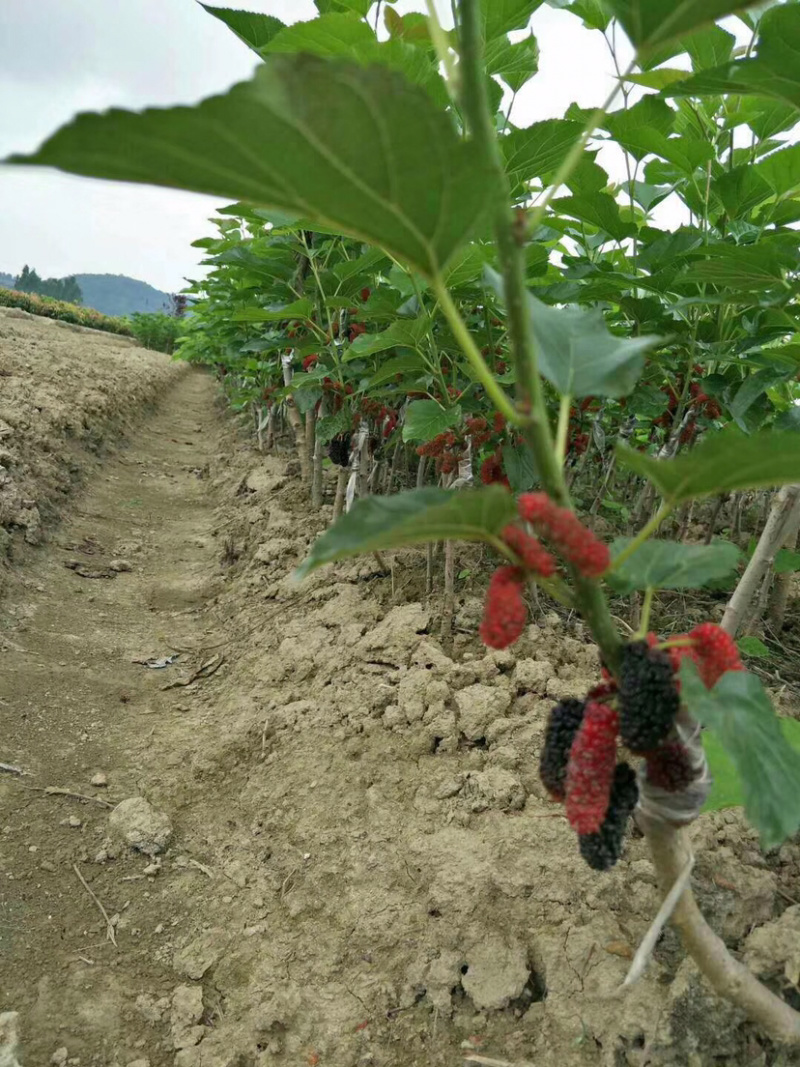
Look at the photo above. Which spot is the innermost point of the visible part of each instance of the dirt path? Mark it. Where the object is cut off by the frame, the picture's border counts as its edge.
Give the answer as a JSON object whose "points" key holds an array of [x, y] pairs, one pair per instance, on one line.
{"points": [[363, 868], [75, 706]]}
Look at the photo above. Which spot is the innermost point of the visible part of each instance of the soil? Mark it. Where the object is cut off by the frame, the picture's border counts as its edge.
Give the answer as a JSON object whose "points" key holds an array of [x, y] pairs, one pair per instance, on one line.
{"points": [[333, 847]]}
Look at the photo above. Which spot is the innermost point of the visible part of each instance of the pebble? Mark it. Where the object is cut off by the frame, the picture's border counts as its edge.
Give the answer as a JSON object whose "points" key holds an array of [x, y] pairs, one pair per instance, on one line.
{"points": [[59, 1057], [46, 865], [74, 821], [120, 566], [99, 780]]}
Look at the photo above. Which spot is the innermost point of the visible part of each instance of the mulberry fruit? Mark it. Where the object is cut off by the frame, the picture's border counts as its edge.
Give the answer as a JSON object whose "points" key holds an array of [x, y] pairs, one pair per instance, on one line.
{"points": [[564, 722], [591, 768], [648, 698], [602, 849], [715, 652], [504, 613], [534, 556], [570, 537], [339, 450], [492, 471], [669, 767]]}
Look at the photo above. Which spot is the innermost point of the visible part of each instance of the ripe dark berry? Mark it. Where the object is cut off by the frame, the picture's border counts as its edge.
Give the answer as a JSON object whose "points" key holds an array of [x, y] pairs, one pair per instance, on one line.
{"points": [[564, 722], [602, 849], [339, 450], [504, 613], [648, 698], [669, 767], [591, 768]]}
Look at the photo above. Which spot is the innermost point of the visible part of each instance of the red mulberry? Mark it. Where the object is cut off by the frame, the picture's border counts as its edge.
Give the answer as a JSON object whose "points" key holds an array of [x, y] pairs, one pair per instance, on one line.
{"points": [[533, 555], [504, 613], [603, 848], [591, 768], [715, 652], [564, 722], [570, 537]]}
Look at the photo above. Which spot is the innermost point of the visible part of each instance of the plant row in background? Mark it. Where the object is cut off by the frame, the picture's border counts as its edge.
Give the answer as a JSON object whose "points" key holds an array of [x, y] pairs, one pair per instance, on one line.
{"points": [[65, 312], [437, 300]]}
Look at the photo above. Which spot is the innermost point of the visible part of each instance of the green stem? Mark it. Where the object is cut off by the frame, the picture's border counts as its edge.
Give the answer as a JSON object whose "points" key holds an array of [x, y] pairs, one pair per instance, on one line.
{"points": [[646, 532], [563, 428], [442, 47], [471, 351], [647, 605], [589, 597]]}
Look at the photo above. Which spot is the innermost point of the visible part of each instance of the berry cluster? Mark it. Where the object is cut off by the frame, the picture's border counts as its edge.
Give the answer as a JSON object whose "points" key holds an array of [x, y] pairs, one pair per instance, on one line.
{"points": [[573, 540], [578, 764]]}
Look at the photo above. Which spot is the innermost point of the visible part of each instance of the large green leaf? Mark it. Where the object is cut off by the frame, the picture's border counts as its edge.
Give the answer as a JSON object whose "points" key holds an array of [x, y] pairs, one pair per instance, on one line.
{"points": [[724, 462], [650, 23], [597, 209], [671, 565], [594, 13], [358, 7], [382, 522], [333, 35], [357, 149], [786, 561], [539, 149], [299, 309], [741, 715], [781, 170], [403, 333], [644, 130], [740, 190], [774, 72], [255, 30], [520, 466], [407, 364], [745, 267], [426, 419], [502, 16], [576, 352]]}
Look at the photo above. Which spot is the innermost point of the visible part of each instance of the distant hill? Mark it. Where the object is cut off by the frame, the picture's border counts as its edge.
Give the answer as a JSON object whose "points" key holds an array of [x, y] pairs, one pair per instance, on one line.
{"points": [[113, 294], [116, 294]]}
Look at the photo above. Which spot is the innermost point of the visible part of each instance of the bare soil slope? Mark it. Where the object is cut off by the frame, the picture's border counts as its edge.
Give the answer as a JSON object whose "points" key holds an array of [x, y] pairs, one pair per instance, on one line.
{"points": [[348, 860]]}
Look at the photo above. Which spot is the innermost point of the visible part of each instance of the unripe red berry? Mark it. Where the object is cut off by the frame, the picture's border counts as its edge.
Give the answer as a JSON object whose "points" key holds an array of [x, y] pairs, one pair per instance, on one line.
{"points": [[504, 613], [590, 771], [532, 554], [715, 652]]}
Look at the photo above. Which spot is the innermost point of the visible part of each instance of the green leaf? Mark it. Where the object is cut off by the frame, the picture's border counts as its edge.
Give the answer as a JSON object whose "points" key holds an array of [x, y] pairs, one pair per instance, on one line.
{"points": [[650, 23], [644, 130], [774, 72], [333, 35], [520, 466], [579, 356], [598, 209], [357, 149], [537, 150], [514, 63], [741, 715], [725, 461], [299, 309], [403, 333], [741, 190], [254, 30], [786, 561], [426, 419], [710, 47], [331, 426], [594, 13], [377, 523], [781, 170], [671, 565], [503, 16], [753, 646], [746, 267], [357, 7], [405, 365]]}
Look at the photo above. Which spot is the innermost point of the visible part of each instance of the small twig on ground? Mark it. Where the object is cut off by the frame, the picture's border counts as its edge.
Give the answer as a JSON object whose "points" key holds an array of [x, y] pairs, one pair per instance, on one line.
{"points": [[57, 791], [109, 925], [205, 670], [201, 867], [9, 768]]}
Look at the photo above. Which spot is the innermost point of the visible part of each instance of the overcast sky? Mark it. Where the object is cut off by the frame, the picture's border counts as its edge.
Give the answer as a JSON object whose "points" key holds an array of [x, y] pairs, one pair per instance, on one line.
{"points": [[58, 57]]}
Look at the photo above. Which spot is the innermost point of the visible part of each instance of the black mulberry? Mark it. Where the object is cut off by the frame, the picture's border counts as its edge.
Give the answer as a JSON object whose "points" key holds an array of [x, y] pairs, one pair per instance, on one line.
{"points": [[669, 767], [601, 850], [339, 450], [648, 698], [562, 726]]}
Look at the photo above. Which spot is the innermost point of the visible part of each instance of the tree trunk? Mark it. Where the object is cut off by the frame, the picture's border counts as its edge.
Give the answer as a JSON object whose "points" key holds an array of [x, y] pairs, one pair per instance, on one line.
{"points": [[296, 422], [783, 518], [316, 478], [776, 608], [449, 603], [341, 486], [310, 438]]}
